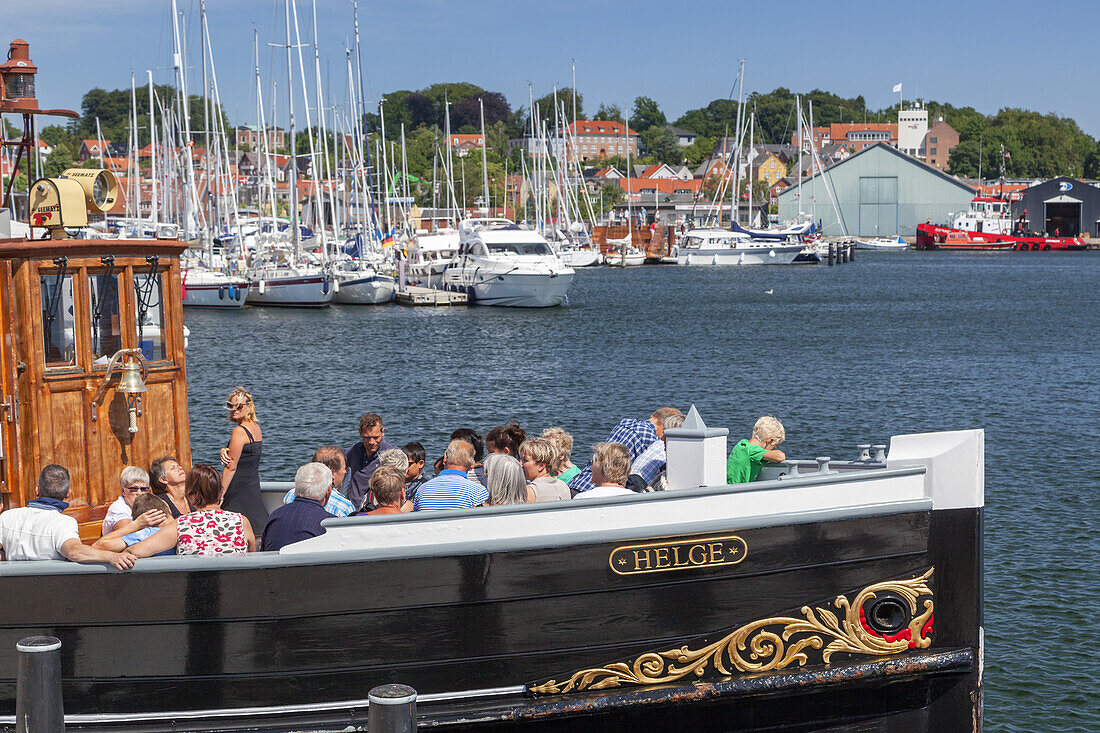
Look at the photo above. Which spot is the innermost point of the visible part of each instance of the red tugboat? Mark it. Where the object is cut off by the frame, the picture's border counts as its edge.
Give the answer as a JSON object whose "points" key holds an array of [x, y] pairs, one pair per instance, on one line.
{"points": [[989, 225]]}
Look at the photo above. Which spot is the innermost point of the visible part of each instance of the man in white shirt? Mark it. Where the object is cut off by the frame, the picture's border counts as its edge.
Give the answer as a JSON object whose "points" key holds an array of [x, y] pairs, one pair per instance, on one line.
{"points": [[39, 531], [133, 481]]}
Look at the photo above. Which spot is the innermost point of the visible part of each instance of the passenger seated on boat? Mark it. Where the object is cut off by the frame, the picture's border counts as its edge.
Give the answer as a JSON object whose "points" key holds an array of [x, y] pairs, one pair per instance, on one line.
{"points": [[300, 519], [333, 457], [134, 480], [414, 474], [150, 513], [169, 481], [471, 436], [362, 458], [452, 488], [394, 458], [539, 458], [387, 485], [505, 439], [505, 481], [746, 458], [610, 470], [647, 473], [209, 530], [40, 531], [563, 441], [636, 435]]}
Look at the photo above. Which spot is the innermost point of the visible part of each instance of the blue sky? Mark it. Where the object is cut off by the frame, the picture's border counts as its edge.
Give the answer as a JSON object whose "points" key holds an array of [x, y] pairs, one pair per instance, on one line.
{"points": [[984, 54]]}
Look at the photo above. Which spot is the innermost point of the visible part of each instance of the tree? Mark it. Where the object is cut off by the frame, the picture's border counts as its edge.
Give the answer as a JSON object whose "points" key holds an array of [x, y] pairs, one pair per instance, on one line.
{"points": [[646, 114], [612, 194], [468, 111], [57, 161], [663, 145], [699, 150], [609, 113]]}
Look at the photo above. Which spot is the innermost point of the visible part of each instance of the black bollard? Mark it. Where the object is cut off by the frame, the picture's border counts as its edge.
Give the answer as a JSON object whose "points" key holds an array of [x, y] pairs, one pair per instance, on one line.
{"points": [[845, 248], [830, 257], [38, 703], [392, 709], [852, 253]]}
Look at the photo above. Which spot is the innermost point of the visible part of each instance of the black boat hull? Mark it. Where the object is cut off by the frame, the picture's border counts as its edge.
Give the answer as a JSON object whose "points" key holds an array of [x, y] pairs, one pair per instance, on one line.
{"points": [[287, 638]]}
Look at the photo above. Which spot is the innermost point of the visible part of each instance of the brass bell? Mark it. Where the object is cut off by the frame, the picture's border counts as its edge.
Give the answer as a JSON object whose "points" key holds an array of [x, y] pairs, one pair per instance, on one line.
{"points": [[130, 381]]}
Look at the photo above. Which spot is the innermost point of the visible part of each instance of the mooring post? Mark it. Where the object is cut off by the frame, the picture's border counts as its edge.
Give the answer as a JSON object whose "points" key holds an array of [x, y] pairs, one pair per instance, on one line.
{"points": [[832, 248], [38, 703], [392, 709], [852, 253]]}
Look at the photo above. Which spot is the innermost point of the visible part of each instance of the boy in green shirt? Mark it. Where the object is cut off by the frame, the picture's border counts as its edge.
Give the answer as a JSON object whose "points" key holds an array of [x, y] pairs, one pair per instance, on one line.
{"points": [[746, 458]]}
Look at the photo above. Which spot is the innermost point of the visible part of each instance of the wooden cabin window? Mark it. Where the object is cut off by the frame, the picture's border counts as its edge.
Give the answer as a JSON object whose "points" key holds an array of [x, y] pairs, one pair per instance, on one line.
{"points": [[151, 334], [58, 319], [106, 322]]}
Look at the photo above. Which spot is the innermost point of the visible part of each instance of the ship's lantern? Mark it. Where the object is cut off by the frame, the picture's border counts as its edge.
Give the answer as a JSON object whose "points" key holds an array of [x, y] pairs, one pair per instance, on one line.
{"points": [[17, 75]]}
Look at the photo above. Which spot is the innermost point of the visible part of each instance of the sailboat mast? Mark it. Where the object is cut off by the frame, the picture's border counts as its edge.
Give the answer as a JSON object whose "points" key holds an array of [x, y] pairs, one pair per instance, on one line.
{"points": [[484, 164], [293, 188], [153, 213]]}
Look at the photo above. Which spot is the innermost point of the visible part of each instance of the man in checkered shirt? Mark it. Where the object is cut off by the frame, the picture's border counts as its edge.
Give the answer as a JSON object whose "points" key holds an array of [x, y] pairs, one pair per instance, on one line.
{"points": [[636, 435]]}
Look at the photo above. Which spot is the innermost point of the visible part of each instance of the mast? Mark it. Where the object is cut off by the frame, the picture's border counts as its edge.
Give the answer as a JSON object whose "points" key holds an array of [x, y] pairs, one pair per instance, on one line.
{"points": [[208, 229], [752, 145], [293, 189], [629, 213], [798, 111], [484, 164], [153, 213], [815, 165], [735, 204], [134, 150]]}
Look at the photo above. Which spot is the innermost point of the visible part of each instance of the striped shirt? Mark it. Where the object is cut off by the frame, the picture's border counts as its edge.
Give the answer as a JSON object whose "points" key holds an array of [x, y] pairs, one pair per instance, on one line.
{"points": [[636, 435], [450, 489], [337, 505]]}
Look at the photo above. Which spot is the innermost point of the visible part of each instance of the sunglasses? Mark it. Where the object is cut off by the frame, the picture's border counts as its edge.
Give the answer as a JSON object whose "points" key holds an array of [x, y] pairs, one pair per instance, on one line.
{"points": [[138, 489], [235, 405]]}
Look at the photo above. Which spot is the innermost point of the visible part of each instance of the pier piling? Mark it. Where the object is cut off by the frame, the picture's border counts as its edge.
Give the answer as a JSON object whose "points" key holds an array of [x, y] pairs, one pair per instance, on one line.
{"points": [[832, 251], [38, 704], [392, 709]]}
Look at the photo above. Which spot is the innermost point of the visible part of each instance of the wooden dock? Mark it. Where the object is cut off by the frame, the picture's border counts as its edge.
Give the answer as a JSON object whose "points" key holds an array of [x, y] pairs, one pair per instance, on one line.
{"points": [[416, 295]]}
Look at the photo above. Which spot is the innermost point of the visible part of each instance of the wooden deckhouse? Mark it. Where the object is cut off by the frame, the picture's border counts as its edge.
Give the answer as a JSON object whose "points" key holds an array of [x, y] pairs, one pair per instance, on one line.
{"points": [[67, 306]]}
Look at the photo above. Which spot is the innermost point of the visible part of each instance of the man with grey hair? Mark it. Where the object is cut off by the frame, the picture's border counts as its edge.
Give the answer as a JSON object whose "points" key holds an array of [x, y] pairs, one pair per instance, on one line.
{"points": [[40, 531], [452, 488], [300, 519], [133, 481]]}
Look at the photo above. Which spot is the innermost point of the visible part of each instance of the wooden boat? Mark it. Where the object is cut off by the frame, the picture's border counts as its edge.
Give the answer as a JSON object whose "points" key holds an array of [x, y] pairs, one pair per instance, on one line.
{"points": [[843, 595], [835, 596]]}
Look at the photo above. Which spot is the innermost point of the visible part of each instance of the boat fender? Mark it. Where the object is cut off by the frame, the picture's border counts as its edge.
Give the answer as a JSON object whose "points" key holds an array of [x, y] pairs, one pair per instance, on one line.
{"points": [[1046, 246], [232, 292], [771, 253], [221, 293], [324, 286], [263, 287], [335, 285], [240, 294]]}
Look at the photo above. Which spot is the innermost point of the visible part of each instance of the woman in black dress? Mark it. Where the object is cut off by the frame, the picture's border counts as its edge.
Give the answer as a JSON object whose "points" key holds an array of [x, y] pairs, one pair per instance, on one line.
{"points": [[241, 474]]}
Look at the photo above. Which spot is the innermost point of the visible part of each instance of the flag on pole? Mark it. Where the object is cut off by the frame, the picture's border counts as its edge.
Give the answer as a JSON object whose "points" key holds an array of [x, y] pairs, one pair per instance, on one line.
{"points": [[897, 88]]}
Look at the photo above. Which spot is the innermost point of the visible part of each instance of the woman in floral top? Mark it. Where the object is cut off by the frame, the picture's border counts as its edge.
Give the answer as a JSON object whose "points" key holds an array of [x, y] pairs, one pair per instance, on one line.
{"points": [[209, 530]]}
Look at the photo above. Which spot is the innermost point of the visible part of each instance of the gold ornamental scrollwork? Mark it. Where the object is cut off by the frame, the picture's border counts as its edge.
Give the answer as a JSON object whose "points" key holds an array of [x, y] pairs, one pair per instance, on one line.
{"points": [[774, 643]]}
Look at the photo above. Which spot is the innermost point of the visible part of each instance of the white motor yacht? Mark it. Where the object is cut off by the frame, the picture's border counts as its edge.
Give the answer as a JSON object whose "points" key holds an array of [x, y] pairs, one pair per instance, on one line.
{"points": [[498, 263], [715, 246], [279, 279], [429, 254]]}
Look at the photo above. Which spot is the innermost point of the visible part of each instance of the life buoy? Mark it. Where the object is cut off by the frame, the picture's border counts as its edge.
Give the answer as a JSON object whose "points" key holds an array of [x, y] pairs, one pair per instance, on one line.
{"points": [[1045, 246]]}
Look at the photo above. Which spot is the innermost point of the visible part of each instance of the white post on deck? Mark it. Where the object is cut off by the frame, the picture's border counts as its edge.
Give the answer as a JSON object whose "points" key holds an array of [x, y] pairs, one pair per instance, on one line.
{"points": [[696, 454]]}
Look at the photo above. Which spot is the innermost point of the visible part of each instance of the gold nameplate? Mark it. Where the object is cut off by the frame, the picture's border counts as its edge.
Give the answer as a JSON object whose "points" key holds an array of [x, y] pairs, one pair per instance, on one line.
{"points": [[660, 557]]}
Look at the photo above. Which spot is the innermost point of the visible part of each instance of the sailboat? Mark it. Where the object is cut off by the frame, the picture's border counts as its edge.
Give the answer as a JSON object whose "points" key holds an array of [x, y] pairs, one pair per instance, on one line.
{"points": [[280, 274], [625, 254]]}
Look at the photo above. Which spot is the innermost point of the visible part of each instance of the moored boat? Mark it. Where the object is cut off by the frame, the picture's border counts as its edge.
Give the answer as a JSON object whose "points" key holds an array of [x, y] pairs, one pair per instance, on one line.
{"points": [[988, 225], [714, 246]]}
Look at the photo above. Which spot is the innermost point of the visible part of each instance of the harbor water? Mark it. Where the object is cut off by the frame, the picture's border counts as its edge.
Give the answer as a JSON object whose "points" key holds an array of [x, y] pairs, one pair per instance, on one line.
{"points": [[893, 343]]}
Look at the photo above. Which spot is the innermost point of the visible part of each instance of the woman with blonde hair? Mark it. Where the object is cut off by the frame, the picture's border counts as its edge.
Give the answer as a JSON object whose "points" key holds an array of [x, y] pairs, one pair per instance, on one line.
{"points": [[241, 474], [563, 441]]}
